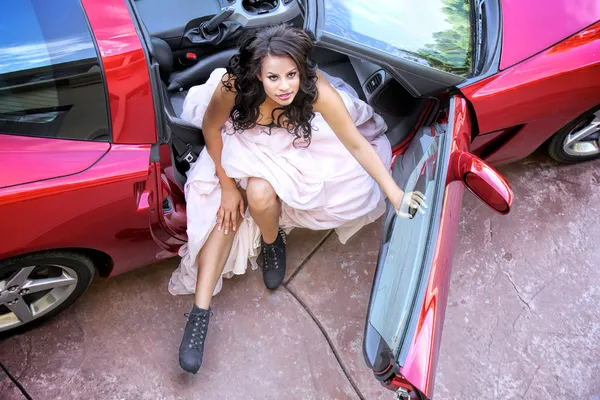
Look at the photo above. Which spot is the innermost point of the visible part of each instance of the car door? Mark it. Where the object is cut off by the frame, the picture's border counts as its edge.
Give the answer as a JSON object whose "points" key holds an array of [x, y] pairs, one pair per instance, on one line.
{"points": [[167, 201], [410, 289], [408, 301]]}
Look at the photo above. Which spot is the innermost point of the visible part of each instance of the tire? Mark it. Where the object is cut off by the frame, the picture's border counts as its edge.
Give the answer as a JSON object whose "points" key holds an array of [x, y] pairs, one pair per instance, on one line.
{"points": [[51, 281], [584, 150]]}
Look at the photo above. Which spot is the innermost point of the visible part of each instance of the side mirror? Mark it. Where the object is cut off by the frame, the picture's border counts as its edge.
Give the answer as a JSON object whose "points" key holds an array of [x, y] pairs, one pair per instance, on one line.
{"points": [[482, 180]]}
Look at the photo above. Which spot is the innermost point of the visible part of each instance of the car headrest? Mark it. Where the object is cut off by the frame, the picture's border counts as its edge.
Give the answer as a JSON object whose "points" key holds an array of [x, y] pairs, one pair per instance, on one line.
{"points": [[164, 57]]}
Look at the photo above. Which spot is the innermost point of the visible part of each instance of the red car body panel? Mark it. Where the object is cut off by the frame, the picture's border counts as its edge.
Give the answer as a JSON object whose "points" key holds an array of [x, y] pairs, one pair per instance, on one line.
{"points": [[24, 159], [529, 138], [543, 23], [106, 208], [110, 207], [564, 79], [126, 71]]}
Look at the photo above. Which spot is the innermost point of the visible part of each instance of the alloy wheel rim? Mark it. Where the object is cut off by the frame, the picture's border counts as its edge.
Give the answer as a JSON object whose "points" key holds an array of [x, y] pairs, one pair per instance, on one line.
{"points": [[33, 291], [584, 139]]}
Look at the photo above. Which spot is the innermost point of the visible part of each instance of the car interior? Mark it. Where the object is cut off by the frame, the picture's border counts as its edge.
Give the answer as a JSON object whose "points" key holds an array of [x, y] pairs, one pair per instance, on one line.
{"points": [[189, 39]]}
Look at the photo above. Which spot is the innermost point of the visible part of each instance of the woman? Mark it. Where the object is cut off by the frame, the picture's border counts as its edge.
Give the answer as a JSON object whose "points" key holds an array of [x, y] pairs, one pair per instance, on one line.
{"points": [[299, 152]]}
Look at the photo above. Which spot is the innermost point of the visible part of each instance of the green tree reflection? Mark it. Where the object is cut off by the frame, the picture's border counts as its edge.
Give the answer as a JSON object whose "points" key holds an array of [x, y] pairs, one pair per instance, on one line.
{"points": [[451, 51]]}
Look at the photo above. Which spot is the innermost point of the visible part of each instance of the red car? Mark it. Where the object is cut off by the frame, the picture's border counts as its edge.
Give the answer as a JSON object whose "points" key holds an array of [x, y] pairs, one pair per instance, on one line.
{"points": [[93, 154]]}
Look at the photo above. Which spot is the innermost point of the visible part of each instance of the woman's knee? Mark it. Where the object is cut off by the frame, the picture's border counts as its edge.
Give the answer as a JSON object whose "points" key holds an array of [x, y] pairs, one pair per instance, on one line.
{"points": [[260, 193]]}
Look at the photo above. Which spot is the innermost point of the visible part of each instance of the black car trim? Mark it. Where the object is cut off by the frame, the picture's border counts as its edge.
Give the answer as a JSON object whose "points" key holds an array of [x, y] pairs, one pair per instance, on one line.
{"points": [[492, 41]]}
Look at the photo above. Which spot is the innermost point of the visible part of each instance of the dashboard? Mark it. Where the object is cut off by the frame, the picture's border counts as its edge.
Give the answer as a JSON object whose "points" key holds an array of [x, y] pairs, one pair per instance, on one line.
{"points": [[183, 25], [171, 19]]}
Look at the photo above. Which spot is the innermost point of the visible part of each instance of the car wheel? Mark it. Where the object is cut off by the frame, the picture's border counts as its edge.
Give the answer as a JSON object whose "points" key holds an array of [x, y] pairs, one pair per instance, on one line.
{"points": [[38, 286], [579, 140]]}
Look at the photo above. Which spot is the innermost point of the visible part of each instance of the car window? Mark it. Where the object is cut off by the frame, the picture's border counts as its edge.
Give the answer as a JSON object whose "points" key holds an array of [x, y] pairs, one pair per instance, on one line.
{"points": [[416, 170], [51, 83], [434, 33]]}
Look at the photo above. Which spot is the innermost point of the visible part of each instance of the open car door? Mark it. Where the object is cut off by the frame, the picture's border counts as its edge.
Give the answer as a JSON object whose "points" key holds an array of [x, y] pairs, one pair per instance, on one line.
{"points": [[410, 290]]}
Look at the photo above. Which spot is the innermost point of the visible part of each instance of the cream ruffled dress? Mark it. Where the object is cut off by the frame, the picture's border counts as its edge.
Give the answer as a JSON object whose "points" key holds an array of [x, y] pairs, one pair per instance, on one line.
{"points": [[321, 187]]}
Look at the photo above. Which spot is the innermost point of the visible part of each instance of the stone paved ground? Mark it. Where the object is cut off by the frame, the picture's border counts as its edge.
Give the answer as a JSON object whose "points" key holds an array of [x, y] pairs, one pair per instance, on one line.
{"points": [[523, 319]]}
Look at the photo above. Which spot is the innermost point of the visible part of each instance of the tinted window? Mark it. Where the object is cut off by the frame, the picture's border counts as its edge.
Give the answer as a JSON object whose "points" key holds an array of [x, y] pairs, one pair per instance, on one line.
{"points": [[51, 83], [435, 33]]}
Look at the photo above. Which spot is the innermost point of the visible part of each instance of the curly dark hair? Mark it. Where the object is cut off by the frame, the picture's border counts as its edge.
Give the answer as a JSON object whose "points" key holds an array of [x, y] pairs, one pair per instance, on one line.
{"points": [[278, 40]]}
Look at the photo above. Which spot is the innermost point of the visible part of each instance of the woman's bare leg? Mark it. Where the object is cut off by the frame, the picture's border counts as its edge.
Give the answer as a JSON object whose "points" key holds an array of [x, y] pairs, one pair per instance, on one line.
{"points": [[265, 207], [211, 261]]}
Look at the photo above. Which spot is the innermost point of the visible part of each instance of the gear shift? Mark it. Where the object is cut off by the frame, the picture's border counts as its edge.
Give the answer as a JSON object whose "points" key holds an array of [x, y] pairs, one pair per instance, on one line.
{"points": [[215, 30], [212, 25]]}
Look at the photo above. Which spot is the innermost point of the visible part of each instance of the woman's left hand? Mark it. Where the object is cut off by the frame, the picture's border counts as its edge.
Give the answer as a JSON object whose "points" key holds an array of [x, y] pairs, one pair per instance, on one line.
{"points": [[404, 202]]}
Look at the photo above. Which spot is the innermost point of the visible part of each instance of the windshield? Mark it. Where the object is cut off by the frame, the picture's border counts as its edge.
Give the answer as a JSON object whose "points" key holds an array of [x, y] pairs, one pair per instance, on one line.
{"points": [[435, 33]]}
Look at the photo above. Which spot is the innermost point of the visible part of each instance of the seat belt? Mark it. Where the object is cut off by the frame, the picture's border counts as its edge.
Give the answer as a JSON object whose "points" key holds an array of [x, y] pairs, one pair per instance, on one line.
{"points": [[184, 150]]}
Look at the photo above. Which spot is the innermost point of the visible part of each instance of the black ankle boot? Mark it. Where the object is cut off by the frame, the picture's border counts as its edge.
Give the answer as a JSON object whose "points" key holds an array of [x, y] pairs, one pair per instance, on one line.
{"points": [[194, 337], [274, 261]]}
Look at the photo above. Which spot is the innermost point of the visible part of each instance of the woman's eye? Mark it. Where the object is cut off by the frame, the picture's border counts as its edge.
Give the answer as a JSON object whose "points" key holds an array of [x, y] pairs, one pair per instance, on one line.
{"points": [[273, 78], [291, 74]]}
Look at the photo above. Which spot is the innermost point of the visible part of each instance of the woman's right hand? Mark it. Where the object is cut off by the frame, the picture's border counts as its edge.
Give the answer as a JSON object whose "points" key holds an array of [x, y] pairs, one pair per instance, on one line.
{"points": [[404, 202], [232, 208]]}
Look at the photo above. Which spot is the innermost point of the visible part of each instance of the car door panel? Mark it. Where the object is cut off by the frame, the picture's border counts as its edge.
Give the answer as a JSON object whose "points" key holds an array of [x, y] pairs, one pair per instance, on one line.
{"points": [[420, 358], [410, 289], [170, 201]]}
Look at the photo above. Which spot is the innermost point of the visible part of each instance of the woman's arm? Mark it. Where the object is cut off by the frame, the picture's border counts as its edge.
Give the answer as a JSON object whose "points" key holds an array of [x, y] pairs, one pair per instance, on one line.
{"points": [[215, 116], [330, 104]]}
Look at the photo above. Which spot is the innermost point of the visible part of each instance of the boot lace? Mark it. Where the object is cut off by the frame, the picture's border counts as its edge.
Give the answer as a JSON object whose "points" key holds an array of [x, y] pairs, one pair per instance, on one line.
{"points": [[269, 252], [199, 328], [270, 256]]}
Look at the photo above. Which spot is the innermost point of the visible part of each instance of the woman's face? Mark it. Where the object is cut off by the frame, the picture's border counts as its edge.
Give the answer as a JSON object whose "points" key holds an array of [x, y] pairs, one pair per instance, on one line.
{"points": [[280, 78]]}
